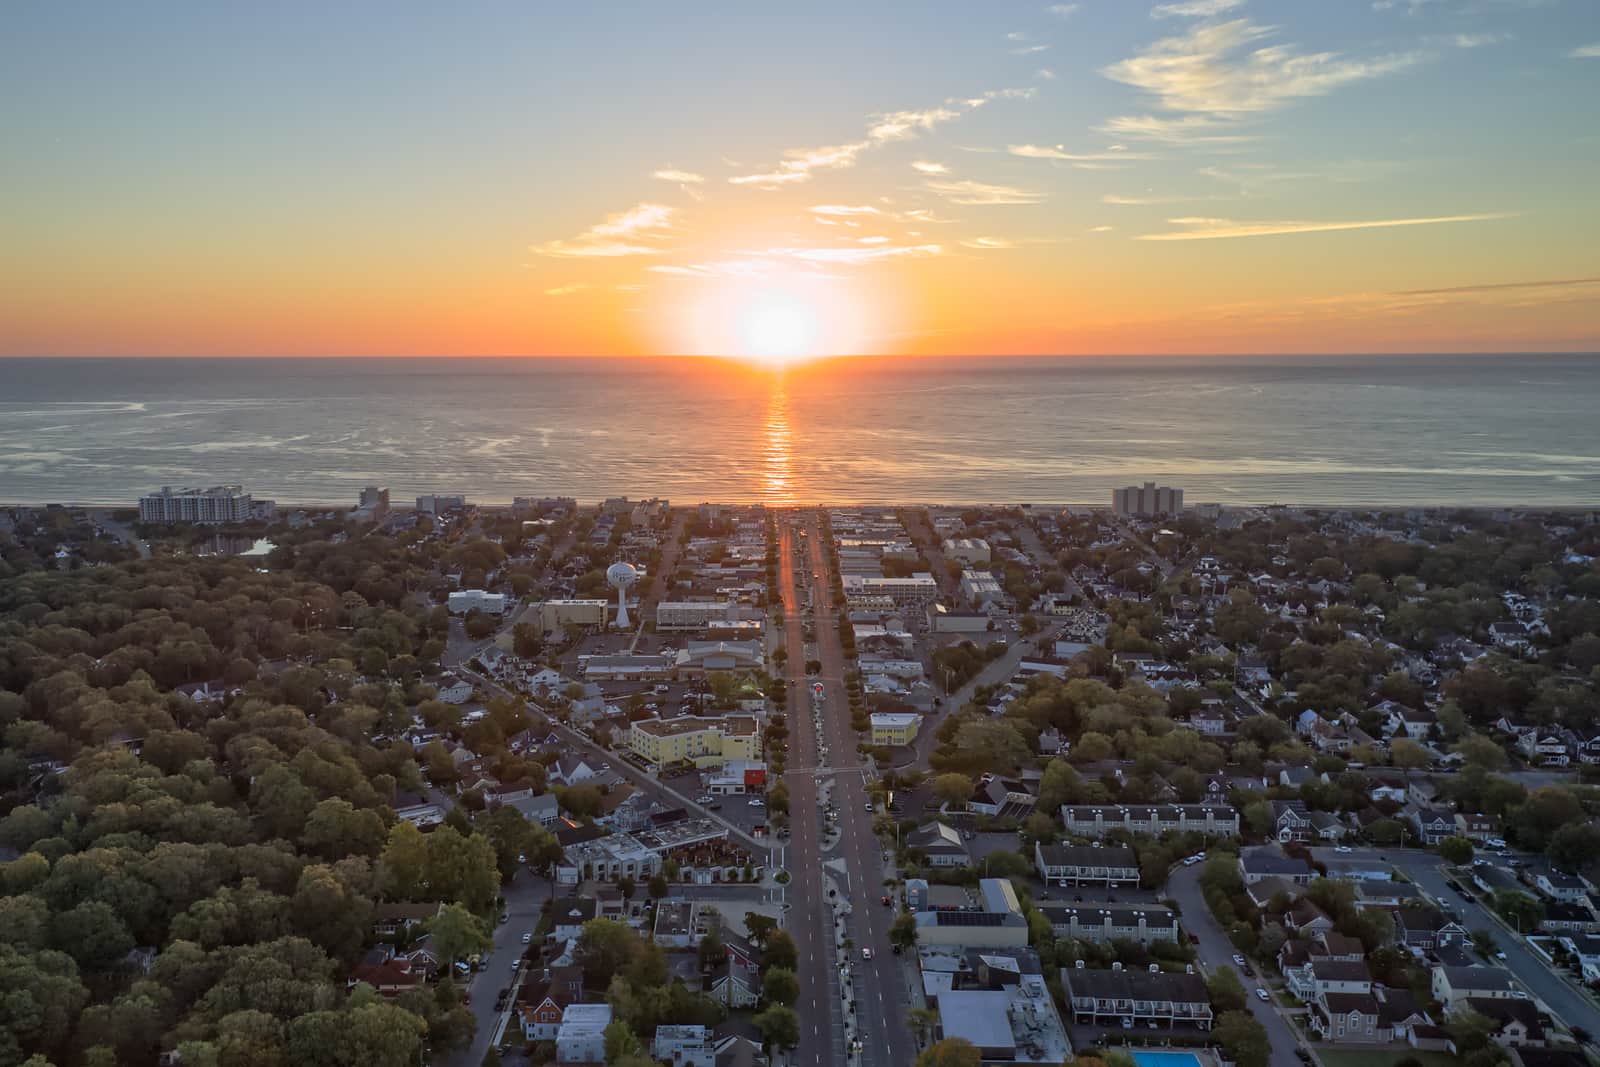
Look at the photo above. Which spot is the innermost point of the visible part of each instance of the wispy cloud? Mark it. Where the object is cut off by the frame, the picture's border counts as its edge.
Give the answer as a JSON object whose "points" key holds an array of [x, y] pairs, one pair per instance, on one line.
{"points": [[844, 209], [1478, 40], [1495, 287], [1194, 9], [798, 164], [1031, 49], [1142, 201], [988, 243], [1588, 51], [923, 166], [566, 290], [1205, 229], [1060, 153], [857, 255], [1016, 35], [977, 193], [618, 235], [1045, 74], [1223, 68], [1179, 130], [1061, 11], [1101, 229], [682, 177]]}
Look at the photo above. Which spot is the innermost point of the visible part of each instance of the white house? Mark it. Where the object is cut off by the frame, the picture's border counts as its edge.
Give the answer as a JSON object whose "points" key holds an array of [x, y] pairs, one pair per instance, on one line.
{"points": [[582, 1037]]}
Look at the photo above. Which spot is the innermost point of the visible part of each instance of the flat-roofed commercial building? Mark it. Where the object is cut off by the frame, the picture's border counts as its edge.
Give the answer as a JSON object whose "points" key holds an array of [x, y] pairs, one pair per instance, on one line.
{"points": [[1016, 1024], [220, 503], [465, 600], [691, 614], [558, 614], [968, 550], [917, 591], [981, 587], [702, 742]]}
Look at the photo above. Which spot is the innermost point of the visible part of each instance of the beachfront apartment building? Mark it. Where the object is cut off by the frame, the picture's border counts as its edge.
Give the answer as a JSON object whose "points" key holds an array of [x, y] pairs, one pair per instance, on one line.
{"points": [[435, 504], [895, 728], [220, 503], [1146, 500], [703, 742], [559, 614], [691, 614], [917, 591]]}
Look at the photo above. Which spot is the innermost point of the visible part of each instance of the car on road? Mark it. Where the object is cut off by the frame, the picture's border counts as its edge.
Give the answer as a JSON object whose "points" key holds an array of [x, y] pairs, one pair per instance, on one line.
{"points": [[714, 806], [527, 939], [1238, 960], [1344, 849], [886, 901], [870, 809], [1499, 955], [757, 802], [866, 953], [1262, 994]]}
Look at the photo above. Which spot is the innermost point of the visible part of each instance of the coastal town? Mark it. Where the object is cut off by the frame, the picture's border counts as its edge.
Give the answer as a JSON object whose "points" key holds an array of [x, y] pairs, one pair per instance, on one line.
{"points": [[638, 781]]}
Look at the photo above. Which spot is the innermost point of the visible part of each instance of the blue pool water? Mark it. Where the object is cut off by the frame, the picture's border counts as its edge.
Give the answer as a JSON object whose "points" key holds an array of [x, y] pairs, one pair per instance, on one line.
{"points": [[1166, 1059]]}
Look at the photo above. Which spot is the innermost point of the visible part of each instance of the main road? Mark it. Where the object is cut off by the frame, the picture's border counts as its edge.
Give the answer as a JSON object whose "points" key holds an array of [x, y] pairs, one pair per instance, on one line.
{"points": [[879, 993]]}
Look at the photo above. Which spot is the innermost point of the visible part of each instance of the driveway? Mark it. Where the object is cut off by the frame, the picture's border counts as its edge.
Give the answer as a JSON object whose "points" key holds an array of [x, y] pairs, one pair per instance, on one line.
{"points": [[1183, 886]]}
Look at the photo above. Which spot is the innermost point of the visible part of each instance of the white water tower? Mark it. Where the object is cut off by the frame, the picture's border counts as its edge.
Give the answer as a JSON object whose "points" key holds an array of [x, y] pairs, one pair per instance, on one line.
{"points": [[622, 576]]}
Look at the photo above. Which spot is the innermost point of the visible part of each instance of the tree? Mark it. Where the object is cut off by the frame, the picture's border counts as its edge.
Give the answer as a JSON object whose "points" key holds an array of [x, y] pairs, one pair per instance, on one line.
{"points": [[953, 790], [93, 934], [712, 950], [605, 947], [457, 933], [1408, 756], [779, 1026], [1520, 909], [658, 886], [759, 927], [1575, 847], [951, 1052], [1244, 1039], [1483, 942], [1226, 990], [780, 951], [1456, 850], [621, 1041], [779, 986], [903, 931]]}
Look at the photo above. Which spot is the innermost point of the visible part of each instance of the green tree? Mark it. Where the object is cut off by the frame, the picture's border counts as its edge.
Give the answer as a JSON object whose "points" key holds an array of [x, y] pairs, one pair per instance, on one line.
{"points": [[1456, 850], [903, 931], [1243, 1039], [779, 1026], [457, 933], [712, 950], [952, 790], [1226, 990], [1575, 847], [779, 986], [92, 934], [621, 1041], [951, 1052], [780, 951], [605, 947], [1521, 910]]}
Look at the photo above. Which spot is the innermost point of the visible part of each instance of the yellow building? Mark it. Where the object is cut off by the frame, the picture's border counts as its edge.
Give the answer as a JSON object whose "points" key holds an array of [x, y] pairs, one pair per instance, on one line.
{"points": [[703, 742], [895, 728]]}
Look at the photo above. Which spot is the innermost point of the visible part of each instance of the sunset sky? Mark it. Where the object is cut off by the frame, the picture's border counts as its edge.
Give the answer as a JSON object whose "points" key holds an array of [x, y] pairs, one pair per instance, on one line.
{"points": [[787, 180]]}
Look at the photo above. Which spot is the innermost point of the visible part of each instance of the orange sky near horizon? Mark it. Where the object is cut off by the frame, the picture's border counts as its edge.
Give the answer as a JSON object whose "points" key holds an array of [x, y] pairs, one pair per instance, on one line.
{"points": [[1199, 176]]}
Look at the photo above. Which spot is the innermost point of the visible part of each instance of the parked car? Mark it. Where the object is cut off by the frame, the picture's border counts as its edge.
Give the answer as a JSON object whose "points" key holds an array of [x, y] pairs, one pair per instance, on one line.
{"points": [[866, 953], [1262, 994], [527, 939], [1343, 849], [1238, 960]]}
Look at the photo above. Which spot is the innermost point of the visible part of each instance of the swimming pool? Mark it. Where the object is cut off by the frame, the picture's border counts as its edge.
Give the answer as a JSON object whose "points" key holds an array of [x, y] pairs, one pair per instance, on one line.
{"points": [[1166, 1059]]}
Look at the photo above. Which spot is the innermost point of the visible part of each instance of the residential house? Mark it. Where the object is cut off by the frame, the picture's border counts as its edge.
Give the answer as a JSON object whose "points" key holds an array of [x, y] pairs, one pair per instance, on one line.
{"points": [[1433, 824], [399, 917], [1515, 1022], [1476, 827], [684, 1046], [1256, 864], [1422, 926], [1320, 977], [1291, 821], [940, 843], [1305, 918], [1090, 820], [567, 916], [1545, 748], [581, 1038], [1558, 885], [1451, 986]]}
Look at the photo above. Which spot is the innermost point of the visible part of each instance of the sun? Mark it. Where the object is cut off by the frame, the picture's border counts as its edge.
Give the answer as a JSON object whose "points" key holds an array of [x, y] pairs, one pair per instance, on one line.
{"points": [[777, 327]]}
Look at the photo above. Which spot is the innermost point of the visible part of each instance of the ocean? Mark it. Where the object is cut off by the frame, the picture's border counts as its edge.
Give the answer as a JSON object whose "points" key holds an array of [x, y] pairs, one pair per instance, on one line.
{"points": [[1367, 430]]}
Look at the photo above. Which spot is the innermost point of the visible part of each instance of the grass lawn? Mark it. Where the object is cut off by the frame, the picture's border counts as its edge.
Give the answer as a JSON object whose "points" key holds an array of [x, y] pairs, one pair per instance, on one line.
{"points": [[1335, 1057]]}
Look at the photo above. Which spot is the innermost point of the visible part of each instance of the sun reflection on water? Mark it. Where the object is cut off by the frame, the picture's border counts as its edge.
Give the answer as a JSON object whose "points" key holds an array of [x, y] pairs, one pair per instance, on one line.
{"points": [[777, 483]]}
